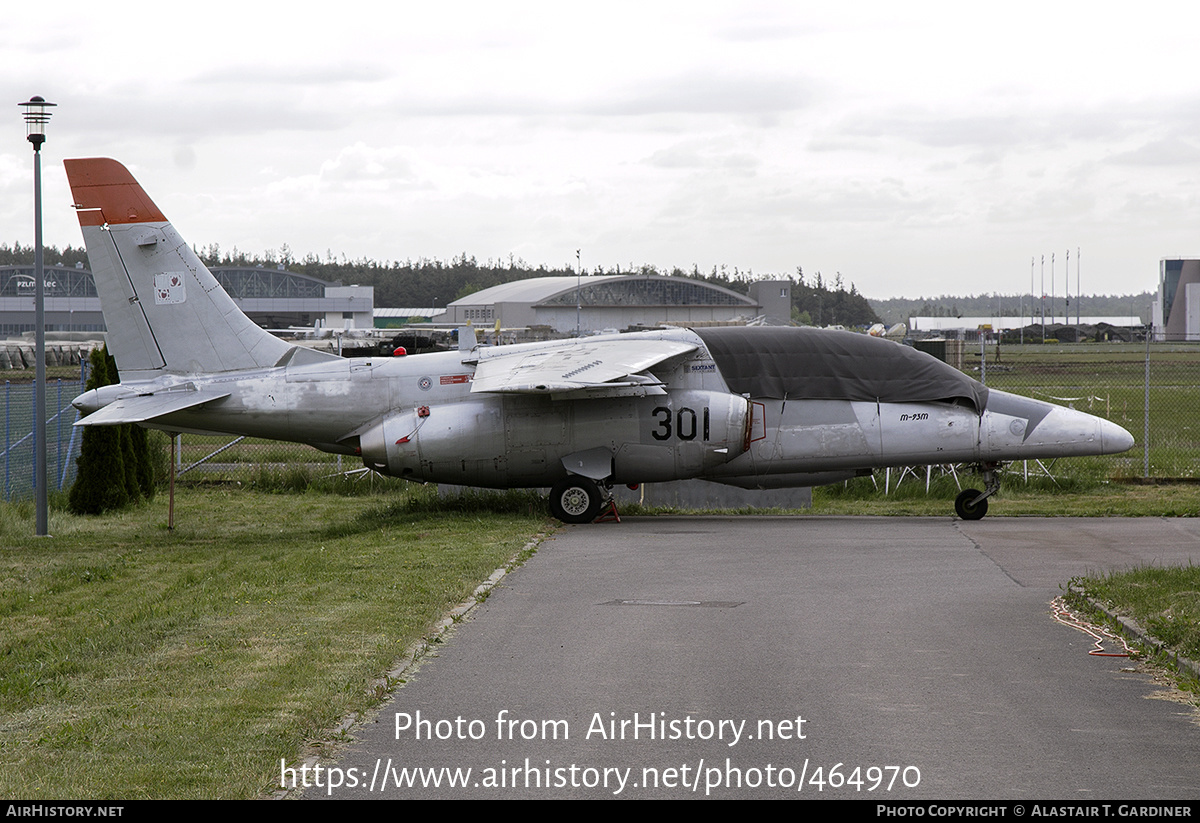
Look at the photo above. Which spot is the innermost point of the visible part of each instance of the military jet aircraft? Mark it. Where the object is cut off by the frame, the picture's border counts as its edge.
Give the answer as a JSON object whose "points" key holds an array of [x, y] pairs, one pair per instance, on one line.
{"points": [[750, 407]]}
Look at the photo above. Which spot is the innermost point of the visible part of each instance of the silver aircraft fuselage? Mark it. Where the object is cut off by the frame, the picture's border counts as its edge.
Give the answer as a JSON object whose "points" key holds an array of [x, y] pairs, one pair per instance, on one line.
{"points": [[416, 417], [756, 408]]}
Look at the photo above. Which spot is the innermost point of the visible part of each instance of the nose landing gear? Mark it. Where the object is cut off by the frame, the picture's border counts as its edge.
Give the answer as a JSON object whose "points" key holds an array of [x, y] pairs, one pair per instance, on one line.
{"points": [[971, 504]]}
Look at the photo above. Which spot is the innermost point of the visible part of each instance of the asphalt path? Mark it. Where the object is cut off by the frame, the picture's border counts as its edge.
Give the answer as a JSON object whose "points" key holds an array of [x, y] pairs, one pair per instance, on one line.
{"points": [[810, 657]]}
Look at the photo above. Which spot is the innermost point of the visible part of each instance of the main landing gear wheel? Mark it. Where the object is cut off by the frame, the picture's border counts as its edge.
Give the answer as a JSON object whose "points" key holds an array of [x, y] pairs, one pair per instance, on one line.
{"points": [[967, 510], [575, 499]]}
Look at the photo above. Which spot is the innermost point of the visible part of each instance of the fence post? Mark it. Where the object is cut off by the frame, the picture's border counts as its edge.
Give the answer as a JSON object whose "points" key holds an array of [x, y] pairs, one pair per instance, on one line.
{"points": [[83, 366], [58, 445], [1146, 414], [7, 438], [62, 478], [35, 438]]}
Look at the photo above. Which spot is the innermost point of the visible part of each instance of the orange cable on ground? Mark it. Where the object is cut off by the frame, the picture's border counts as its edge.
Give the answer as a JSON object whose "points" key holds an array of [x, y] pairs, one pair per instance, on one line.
{"points": [[1064, 615]]}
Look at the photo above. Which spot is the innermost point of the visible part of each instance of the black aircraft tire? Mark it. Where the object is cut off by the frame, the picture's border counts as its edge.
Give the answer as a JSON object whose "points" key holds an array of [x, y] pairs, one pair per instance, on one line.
{"points": [[575, 499], [963, 507]]}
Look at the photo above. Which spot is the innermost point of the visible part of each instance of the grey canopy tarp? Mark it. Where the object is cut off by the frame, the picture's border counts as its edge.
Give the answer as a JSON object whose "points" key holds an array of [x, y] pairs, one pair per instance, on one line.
{"points": [[822, 364]]}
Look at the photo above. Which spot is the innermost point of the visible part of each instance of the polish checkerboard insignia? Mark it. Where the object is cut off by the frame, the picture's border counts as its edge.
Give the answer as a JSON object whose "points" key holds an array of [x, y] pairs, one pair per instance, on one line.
{"points": [[169, 287]]}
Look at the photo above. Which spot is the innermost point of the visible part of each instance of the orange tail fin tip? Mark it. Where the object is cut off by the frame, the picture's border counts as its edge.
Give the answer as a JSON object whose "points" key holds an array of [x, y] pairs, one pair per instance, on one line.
{"points": [[105, 192]]}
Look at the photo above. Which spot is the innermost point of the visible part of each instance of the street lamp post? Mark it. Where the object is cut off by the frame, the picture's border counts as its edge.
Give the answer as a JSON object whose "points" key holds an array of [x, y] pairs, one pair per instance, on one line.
{"points": [[37, 115]]}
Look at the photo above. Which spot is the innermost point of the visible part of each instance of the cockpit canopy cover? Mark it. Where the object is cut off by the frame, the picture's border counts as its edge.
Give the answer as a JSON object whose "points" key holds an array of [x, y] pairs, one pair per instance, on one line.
{"points": [[818, 364]]}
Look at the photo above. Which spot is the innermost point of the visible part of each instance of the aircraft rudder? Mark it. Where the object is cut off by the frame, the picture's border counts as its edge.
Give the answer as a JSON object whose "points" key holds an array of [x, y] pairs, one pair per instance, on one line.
{"points": [[104, 191]]}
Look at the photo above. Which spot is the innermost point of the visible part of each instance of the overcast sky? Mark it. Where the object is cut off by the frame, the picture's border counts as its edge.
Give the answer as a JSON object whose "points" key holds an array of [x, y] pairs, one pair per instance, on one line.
{"points": [[917, 148]]}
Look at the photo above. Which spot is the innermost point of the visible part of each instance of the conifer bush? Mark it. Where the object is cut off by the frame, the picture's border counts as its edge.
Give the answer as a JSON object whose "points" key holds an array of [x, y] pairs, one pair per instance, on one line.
{"points": [[115, 468]]}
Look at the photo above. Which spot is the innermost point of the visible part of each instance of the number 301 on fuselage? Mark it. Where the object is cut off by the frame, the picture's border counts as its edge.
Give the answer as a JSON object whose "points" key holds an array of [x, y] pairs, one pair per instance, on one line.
{"points": [[751, 407]]}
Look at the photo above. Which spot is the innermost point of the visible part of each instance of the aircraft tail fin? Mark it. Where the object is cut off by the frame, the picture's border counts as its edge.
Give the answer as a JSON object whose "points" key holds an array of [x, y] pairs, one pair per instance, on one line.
{"points": [[164, 310]]}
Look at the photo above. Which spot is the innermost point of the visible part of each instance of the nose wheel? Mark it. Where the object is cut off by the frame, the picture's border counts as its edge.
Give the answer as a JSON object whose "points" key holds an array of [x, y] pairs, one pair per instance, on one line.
{"points": [[972, 504]]}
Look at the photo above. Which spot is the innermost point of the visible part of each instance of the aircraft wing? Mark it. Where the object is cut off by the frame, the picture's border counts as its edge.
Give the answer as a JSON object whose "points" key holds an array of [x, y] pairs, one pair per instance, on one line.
{"points": [[141, 407], [604, 368]]}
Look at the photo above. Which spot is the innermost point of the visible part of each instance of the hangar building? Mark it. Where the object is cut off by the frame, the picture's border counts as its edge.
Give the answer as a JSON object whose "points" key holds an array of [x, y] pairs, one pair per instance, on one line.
{"points": [[616, 301], [273, 298], [1177, 306]]}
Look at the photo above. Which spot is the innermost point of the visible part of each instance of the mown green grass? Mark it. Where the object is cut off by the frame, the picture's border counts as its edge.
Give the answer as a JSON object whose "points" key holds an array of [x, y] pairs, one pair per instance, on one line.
{"points": [[1164, 600], [1075, 487], [1079, 487], [135, 662], [65, 373]]}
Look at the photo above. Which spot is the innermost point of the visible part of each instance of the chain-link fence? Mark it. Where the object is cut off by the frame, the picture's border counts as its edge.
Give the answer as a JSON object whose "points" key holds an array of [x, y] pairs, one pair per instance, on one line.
{"points": [[1152, 390], [249, 460], [62, 437]]}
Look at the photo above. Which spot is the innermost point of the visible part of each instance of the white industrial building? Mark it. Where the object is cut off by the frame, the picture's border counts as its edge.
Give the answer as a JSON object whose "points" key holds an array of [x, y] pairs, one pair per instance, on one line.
{"points": [[617, 301], [1176, 310], [924, 325]]}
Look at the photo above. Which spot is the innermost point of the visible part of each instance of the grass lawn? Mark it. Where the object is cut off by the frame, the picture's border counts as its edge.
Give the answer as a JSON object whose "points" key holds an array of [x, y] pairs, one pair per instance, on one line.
{"points": [[1089, 497], [135, 662], [1165, 601]]}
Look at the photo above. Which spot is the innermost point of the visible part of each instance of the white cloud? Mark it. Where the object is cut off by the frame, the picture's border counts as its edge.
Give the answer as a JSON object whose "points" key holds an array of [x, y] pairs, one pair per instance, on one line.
{"points": [[902, 145]]}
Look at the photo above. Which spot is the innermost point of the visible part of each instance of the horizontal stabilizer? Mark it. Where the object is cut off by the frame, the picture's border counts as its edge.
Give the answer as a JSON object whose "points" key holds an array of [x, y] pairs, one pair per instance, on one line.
{"points": [[570, 369], [143, 407]]}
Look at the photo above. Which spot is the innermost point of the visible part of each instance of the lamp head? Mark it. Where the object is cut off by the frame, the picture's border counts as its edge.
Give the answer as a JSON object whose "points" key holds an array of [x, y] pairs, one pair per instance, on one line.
{"points": [[37, 115]]}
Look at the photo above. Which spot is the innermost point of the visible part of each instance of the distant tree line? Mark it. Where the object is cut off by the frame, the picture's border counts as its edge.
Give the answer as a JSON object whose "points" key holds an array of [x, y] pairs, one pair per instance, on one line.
{"points": [[18, 255], [815, 303], [426, 283]]}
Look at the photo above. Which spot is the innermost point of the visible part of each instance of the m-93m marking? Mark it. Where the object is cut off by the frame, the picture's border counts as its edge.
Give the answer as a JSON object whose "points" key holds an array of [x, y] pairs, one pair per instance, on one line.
{"points": [[904, 418]]}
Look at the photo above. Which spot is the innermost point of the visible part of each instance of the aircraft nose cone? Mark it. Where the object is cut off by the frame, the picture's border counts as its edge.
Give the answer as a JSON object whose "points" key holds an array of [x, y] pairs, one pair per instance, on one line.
{"points": [[1113, 438]]}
